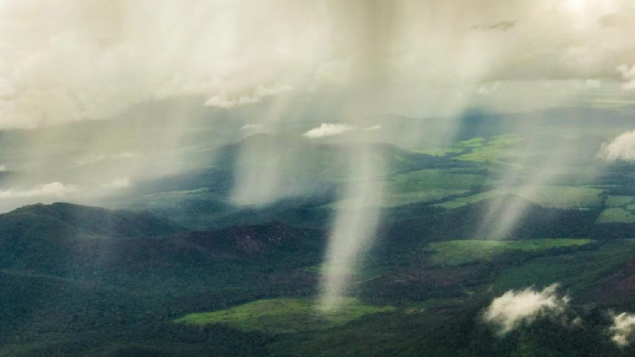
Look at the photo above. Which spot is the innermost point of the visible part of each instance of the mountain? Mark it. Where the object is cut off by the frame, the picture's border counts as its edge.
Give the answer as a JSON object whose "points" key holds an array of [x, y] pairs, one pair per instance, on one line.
{"points": [[252, 240], [64, 239], [91, 220]]}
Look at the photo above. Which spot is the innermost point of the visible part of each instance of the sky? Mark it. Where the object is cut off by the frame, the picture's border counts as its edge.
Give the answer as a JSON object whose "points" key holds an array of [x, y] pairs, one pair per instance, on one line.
{"points": [[74, 60]]}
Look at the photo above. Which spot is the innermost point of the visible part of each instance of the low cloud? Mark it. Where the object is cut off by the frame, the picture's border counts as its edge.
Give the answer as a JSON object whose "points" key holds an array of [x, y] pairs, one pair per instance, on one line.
{"points": [[251, 127], [621, 148], [54, 189], [372, 128], [93, 159], [224, 101], [516, 308], [628, 75], [117, 183], [623, 329], [328, 129], [593, 83], [497, 26]]}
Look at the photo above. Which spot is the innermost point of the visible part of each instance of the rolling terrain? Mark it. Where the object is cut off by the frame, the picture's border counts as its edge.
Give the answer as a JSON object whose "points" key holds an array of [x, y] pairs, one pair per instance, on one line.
{"points": [[174, 268]]}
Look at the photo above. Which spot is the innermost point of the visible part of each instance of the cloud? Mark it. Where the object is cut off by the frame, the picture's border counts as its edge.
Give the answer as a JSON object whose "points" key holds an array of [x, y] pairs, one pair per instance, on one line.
{"points": [[621, 148], [622, 329], [95, 158], [496, 26], [328, 129], [593, 83], [117, 183], [3, 168], [75, 60], [628, 75], [373, 128], [225, 102], [516, 308], [251, 127], [54, 189]]}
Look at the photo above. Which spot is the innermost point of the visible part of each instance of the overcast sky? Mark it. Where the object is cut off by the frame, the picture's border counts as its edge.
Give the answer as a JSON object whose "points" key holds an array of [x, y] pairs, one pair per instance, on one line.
{"points": [[71, 60]]}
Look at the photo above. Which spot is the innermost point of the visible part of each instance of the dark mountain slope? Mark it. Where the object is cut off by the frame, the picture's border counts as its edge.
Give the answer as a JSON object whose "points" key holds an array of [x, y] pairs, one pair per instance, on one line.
{"points": [[252, 240], [94, 221], [72, 240]]}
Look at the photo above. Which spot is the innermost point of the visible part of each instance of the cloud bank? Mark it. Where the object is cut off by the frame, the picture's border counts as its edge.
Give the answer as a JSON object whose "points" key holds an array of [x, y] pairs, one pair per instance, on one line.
{"points": [[73, 60], [628, 75], [54, 189], [224, 102], [516, 308]]}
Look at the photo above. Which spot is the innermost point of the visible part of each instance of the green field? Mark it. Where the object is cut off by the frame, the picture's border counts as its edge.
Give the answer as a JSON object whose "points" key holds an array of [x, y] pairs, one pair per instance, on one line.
{"points": [[492, 150], [616, 215], [420, 187], [437, 179], [284, 315], [618, 201], [459, 252], [567, 197]]}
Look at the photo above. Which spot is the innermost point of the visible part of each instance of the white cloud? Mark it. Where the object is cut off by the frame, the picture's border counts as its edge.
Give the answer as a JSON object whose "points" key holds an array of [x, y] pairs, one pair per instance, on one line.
{"points": [[516, 308], [621, 148], [622, 329], [95, 158], [628, 75], [72, 60], [226, 102], [54, 189], [117, 183], [328, 129], [593, 83], [3, 168], [372, 128], [251, 127]]}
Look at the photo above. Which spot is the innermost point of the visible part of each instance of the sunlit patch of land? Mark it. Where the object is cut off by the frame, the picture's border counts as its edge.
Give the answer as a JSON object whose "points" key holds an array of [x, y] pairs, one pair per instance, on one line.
{"points": [[285, 315], [460, 252], [569, 197]]}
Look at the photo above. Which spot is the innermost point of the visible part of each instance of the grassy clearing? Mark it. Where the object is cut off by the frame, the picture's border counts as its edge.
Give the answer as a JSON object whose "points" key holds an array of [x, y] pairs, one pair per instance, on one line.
{"points": [[493, 150], [459, 252], [616, 215], [420, 187], [285, 315], [567, 197], [401, 199], [444, 179], [394, 198], [618, 201], [472, 143], [464, 201], [439, 152]]}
